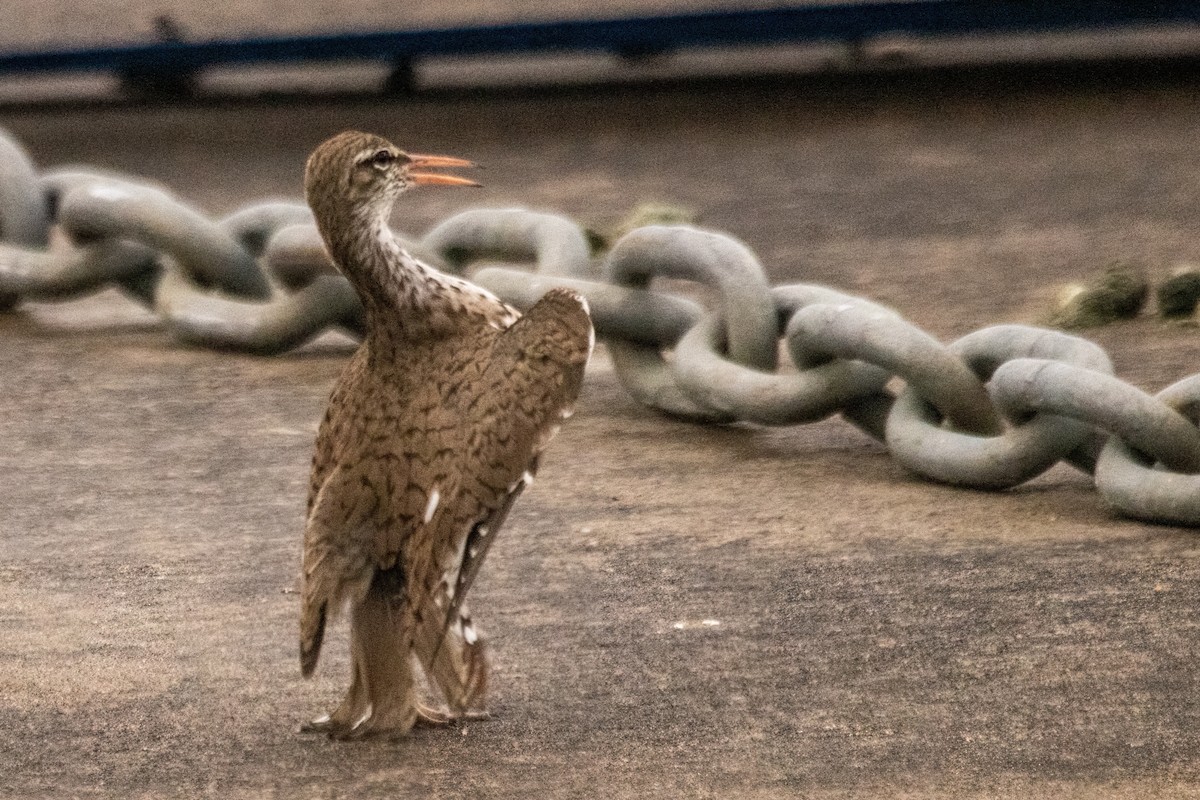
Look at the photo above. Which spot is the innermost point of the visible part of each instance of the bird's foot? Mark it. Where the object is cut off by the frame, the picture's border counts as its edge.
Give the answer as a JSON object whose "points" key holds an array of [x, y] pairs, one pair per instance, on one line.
{"points": [[393, 725], [353, 708], [430, 717], [321, 724], [339, 726], [386, 723]]}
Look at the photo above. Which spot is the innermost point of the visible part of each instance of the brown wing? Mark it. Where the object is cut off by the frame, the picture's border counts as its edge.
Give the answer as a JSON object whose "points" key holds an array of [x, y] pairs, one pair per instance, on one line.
{"points": [[336, 546], [381, 503], [332, 426], [531, 384], [459, 668]]}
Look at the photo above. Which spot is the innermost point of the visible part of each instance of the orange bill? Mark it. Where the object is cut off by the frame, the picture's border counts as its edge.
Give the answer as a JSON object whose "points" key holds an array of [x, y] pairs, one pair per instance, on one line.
{"points": [[415, 160], [434, 178]]}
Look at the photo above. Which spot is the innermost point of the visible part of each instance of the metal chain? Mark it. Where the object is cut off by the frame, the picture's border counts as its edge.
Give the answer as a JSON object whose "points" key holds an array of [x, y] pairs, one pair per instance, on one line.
{"points": [[989, 411]]}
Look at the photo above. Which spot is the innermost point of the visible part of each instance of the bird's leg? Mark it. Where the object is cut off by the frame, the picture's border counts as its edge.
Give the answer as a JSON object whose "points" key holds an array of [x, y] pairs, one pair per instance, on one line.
{"points": [[387, 671], [355, 704]]}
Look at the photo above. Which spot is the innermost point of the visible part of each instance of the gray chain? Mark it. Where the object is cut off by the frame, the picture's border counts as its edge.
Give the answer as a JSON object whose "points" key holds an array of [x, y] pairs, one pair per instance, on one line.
{"points": [[989, 411]]}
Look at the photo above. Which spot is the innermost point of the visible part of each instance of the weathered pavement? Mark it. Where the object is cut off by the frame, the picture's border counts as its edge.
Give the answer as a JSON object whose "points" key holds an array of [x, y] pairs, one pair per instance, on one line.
{"points": [[879, 636]]}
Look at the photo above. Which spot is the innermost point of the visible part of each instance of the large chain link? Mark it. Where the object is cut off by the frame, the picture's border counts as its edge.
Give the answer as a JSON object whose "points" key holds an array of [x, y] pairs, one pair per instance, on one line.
{"points": [[989, 411]]}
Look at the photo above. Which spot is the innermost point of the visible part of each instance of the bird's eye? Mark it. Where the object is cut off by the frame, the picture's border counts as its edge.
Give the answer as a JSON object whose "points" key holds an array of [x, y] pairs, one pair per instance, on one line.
{"points": [[383, 158]]}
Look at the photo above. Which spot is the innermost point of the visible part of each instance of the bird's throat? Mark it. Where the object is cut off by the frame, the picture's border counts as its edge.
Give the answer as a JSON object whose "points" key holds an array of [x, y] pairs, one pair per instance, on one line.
{"points": [[402, 297], [387, 278]]}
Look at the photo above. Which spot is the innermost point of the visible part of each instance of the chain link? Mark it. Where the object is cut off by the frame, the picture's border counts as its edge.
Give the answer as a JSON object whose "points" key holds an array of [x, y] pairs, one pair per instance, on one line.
{"points": [[989, 411], [1129, 480], [1034, 440]]}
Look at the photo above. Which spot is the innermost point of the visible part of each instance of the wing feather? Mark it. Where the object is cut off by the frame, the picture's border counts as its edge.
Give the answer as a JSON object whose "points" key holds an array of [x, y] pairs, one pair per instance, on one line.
{"points": [[530, 385]]}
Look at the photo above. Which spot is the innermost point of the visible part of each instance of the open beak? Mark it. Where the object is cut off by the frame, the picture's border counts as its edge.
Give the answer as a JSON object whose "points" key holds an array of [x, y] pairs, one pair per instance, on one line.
{"points": [[436, 178]]}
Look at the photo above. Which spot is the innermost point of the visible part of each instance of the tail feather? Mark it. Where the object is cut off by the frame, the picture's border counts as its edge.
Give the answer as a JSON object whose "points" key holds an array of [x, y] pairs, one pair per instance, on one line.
{"points": [[312, 634], [455, 660]]}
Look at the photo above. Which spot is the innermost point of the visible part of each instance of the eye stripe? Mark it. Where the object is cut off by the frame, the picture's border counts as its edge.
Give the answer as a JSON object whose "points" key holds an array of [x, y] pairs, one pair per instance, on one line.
{"points": [[378, 158]]}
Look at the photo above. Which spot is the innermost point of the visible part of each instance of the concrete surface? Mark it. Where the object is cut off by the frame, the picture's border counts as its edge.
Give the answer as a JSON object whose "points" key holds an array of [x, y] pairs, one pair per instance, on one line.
{"points": [[878, 636]]}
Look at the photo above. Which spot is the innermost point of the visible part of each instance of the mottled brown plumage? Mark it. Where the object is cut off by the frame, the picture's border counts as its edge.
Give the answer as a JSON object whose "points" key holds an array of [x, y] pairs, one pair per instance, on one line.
{"points": [[431, 433]]}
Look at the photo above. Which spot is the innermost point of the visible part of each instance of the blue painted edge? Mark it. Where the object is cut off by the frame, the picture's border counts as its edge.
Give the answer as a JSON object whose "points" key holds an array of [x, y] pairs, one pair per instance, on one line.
{"points": [[647, 34]]}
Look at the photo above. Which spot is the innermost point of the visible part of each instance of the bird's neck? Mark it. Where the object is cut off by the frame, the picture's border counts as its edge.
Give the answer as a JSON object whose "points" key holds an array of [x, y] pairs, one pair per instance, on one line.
{"points": [[406, 301], [399, 293]]}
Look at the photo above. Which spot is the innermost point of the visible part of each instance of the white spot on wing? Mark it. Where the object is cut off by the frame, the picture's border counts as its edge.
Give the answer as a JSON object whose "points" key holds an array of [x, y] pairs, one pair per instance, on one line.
{"points": [[567, 413], [527, 478], [431, 507], [469, 635]]}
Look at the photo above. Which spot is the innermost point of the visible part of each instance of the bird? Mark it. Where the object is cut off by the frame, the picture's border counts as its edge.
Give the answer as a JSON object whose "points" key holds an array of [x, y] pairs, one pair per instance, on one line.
{"points": [[432, 431]]}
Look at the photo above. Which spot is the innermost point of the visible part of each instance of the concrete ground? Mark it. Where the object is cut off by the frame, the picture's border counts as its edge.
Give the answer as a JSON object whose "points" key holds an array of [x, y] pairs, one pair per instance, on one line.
{"points": [[878, 636]]}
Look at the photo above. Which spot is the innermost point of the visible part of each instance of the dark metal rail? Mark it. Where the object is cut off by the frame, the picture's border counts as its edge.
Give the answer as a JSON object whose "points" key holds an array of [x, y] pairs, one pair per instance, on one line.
{"points": [[628, 36]]}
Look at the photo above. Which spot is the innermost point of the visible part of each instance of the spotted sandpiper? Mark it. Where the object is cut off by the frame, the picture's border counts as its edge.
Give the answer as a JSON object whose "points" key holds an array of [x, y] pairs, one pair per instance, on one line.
{"points": [[432, 432]]}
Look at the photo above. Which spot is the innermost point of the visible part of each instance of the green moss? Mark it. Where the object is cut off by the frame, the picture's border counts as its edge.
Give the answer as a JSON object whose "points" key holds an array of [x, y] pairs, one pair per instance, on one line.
{"points": [[1178, 295], [456, 256], [647, 213], [655, 213], [597, 244], [1118, 293]]}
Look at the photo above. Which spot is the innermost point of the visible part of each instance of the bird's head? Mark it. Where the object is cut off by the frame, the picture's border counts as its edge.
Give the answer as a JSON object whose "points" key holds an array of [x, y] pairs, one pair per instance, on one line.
{"points": [[356, 172]]}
